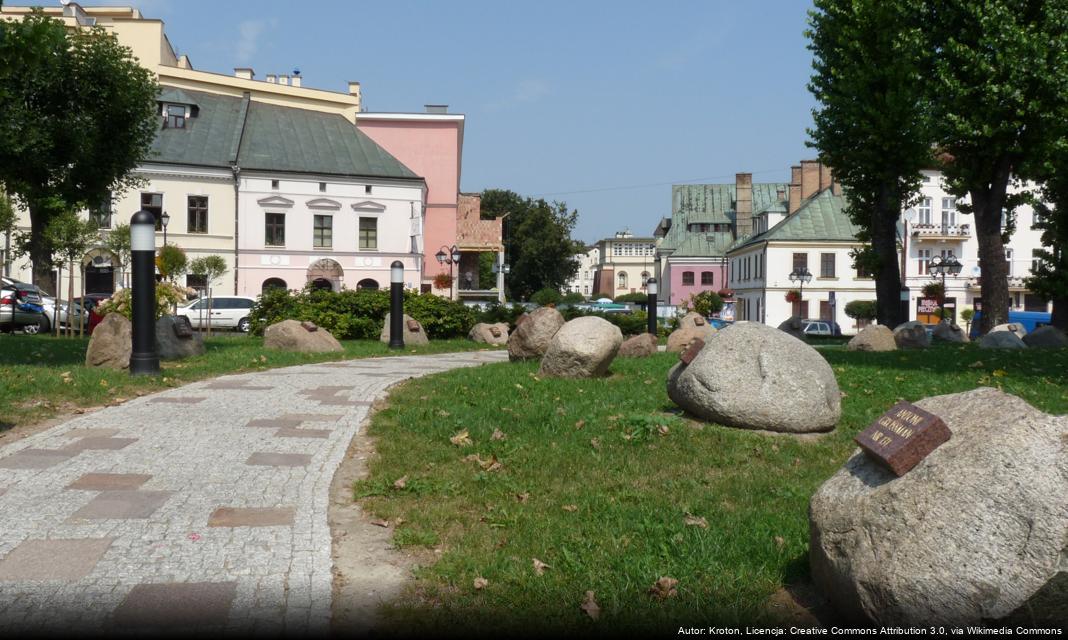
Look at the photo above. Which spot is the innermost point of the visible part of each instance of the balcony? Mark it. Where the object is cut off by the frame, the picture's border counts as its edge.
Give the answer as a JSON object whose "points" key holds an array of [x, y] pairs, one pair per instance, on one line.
{"points": [[941, 231]]}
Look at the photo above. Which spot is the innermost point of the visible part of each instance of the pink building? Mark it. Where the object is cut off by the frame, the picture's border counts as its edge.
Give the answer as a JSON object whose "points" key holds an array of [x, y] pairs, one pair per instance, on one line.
{"points": [[690, 276]]}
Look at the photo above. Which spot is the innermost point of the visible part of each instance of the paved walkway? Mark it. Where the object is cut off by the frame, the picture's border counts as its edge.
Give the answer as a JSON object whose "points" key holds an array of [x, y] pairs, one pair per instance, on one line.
{"points": [[202, 507]]}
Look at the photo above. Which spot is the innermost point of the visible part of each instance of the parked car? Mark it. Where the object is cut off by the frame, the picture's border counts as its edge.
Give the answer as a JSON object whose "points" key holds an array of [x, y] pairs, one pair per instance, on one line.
{"points": [[227, 312], [821, 328], [20, 308], [1030, 320]]}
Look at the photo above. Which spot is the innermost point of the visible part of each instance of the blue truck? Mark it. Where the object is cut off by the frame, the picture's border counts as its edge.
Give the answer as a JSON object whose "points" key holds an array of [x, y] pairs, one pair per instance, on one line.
{"points": [[1030, 320]]}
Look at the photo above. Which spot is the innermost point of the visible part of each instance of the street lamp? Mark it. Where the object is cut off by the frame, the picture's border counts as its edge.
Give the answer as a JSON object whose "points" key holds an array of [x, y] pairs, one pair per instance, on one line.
{"points": [[144, 359], [650, 288], [396, 305], [800, 276], [449, 256], [941, 265], [165, 219]]}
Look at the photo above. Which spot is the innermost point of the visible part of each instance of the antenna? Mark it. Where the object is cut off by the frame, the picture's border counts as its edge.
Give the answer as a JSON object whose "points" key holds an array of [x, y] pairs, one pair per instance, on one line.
{"points": [[296, 72]]}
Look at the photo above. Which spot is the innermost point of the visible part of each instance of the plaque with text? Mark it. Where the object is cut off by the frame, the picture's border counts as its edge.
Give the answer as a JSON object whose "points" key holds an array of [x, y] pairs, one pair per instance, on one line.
{"points": [[902, 437], [691, 351], [182, 327], [413, 326], [309, 326]]}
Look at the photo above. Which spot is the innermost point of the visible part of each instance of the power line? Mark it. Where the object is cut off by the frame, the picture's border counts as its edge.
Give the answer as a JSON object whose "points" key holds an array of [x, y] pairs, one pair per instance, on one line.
{"points": [[648, 185]]}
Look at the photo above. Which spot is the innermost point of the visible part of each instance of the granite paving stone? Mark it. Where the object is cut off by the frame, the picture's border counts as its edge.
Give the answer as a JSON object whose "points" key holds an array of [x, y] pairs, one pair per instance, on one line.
{"points": [[167, 513]]}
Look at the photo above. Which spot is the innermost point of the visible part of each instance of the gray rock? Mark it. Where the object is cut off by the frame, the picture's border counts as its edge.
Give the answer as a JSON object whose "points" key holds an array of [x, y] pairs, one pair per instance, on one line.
{"points": [[533, 334], [911, 335], [111, 343], [489, 333], [794, 327], [289, 335], [947, 332], [1002, 340], [639, 346], [753, 376], [1048, 336], [172, 347], [975, 532], [874, 337], [414, 334], [582, 348], [692, 325], [1013, 327]]}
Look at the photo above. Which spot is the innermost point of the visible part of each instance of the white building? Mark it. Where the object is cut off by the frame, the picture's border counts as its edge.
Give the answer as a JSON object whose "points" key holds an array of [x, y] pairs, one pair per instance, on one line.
{"points": [[586, 275], [626, 263]]}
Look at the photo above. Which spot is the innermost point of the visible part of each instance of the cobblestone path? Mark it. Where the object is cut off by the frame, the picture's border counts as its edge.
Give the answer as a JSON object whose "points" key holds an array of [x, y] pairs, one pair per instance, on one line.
{"points": [[203, 507]]}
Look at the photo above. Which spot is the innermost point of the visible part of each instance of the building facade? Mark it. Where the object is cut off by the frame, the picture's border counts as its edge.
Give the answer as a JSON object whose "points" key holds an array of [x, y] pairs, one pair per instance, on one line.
{"points": [[627, 262], [583, 281]]}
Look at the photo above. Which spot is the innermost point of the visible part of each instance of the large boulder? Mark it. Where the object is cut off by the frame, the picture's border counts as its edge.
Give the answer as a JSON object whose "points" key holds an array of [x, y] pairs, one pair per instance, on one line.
{"points": [[639, 346], [413, 332], [1002, 340], [1048, 336], [175, 338], [691, 326], [911, 335], [978, 531], [305, 337], [111, 343], [874, 337], [533, 334], [947, 332], [489, 333], [582, 348], [753, 376], [793, 326], [1013, 327]]}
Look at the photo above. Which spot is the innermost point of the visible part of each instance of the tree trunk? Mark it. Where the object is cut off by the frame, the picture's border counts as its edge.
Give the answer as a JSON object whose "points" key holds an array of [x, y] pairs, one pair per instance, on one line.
{"points": [[70, 298], [40, 253], [888, 276], [1060, 313], [994, 276]]}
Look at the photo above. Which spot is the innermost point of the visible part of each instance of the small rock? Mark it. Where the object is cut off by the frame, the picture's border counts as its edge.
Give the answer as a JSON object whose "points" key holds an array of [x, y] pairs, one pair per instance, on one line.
{"points": [[692, 325], [1046, 337], [111, 343], [911, 335], [532, 336], [582, 348], [412, 332], [1003, 339], [947, 332], [289, 335], [489, 333], [874, 337], [639, 346]]}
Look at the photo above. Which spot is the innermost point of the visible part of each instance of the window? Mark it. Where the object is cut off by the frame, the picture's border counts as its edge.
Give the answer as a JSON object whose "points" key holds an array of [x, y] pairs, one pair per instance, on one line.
{"points": [[368, 233], [949, 211], [622, 280], [272, 283], [1036, 218], [707, 278], [924, 257], [800, 261], [174, 116], [1008, 261], [101, 215], [322, 187], [275, 230], [323, 232], [198, 214], [924, 210], [274, 184], [196, 282], [687, 277], [862, 271], [153, 203], [1036, 260], [825, 311], [827, 265], [367, 189]]}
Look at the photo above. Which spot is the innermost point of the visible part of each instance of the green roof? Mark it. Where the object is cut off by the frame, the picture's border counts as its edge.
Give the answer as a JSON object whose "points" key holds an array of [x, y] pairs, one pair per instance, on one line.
{"points": [[709, 204], [231, 130], [821, 218]]}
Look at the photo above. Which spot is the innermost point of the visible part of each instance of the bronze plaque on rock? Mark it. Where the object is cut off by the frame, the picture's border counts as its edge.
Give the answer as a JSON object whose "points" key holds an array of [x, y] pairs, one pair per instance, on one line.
{"points": [[182, 327], [699, 322], [413, 326], [309, 326], [902, 437], [495, 331], [691, 351]]}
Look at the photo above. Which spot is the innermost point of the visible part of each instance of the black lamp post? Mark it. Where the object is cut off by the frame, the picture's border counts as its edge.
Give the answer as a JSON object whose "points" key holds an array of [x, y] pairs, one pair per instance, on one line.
{"points": [[449, 256], [165, 219], [940, 265], [801, 276], [396, 305], [144, 360], [651, 289]]}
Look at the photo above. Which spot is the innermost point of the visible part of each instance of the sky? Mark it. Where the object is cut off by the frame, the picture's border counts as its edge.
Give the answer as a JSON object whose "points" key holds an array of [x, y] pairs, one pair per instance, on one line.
{"points": [[600, 104]]}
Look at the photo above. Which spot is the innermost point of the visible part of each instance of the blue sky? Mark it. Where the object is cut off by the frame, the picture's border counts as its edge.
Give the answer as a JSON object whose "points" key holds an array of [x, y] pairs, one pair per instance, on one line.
{"points": [[566, 99]]}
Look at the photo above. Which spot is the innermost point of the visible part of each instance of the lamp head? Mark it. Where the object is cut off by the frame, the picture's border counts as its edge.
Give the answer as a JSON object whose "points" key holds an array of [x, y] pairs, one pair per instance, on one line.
{"points": [[396, 272], [440, 255], [143, 231], [455, 254], [651, 286]]}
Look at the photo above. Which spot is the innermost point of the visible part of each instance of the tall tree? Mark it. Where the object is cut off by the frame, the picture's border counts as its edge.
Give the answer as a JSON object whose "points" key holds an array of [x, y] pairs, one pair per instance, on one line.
{"points": [[8, 224], [537, 241], [998, 91], [77, 115], [871, 127], [1050, 278], [70, 237], [117, 241]]}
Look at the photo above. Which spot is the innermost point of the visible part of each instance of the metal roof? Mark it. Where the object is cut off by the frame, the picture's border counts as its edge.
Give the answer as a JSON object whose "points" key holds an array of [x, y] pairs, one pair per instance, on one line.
{"points": [[821, 218], [709, 204]]}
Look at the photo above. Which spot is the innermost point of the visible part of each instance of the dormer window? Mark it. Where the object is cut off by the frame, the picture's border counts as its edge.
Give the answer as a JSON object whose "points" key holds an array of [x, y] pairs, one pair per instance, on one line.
{"points": [[174, 116]]}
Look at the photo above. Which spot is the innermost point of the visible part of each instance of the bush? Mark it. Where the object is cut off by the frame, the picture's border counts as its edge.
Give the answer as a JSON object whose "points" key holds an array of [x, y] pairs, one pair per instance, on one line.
{"points": [[359, 314], [171, 261], [861, 309], [573, 297], [706, 303], [640, 298], [496, 312], [167, 296], [546, 296], [630, 324]]}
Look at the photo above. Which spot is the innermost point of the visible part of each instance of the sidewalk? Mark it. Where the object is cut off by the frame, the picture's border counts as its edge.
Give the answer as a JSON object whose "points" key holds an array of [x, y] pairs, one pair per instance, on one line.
{"points": [[203, 507]]}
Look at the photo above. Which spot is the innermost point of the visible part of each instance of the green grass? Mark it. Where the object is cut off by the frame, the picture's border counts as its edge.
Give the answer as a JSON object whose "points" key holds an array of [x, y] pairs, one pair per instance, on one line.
{"points": [[34, 387], [597, 445]]}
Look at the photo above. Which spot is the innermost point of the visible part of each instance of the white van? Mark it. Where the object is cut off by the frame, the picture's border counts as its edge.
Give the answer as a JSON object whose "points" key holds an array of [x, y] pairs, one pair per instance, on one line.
{"points": [[227, 312]]}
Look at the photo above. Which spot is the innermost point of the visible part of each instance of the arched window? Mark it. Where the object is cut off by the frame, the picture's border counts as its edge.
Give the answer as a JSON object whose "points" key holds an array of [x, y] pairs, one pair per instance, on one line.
{"points": [[622, 279], [322, 283], [273, 283], [367, 283]]}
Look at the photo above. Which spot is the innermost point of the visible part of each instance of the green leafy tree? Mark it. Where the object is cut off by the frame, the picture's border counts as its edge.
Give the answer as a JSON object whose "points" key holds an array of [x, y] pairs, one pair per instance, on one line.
{"points": [[546, 296], [1050, 278], [70, 237], [77, 115], [537, 241], [871, 125], [211, 268], [117, 241], [705, 303], [861, 309], [8, 224], [998, 93], [172, 262]]}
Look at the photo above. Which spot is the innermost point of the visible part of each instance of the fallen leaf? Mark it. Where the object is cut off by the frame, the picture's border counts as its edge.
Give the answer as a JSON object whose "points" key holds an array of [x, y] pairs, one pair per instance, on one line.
{"points": [[695, 521], [498, 435], [473, 457], [978, 364], [461, 439], [263, 358], [443, 413], [664, 588], [589, 605], [518, 386], [580, 424], [401, 482], [648, 382], [540, 567], [662, 429], [381, 523], [570, 508], [103, 383], [1000, 373], [595, 443], [780, 541], [560, 411], [491, 465], [480, 583], [398, 522], [522, 497]]}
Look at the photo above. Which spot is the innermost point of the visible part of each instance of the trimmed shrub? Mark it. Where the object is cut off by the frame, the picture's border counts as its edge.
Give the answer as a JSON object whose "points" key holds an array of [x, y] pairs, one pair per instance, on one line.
{"points": [[639, 298], [546, 296], [861, 309], [573, 297], [496, 312]]}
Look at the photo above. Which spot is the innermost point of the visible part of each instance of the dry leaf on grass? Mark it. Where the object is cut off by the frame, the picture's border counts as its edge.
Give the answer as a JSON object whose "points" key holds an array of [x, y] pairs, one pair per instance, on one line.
{"points": [[498, 435], [522, 497], [662, 429], [590, 606], [540, 567], [401, 482], [491, 465], [381, 523], [461, 439], [570, 508], [664, 588], [780, 541], [480, 583], [694, 521], [595, 443], [580, 424]]}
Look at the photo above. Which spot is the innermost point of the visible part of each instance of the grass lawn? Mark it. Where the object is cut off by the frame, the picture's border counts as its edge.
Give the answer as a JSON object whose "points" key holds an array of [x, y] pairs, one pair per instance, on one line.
{"points": [[41, 376], [604, 482]]}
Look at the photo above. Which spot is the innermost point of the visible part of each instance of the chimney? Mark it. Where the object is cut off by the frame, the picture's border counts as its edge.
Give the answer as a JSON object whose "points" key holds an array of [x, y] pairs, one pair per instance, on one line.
{"points": [[825, 177], [183, 62], [273, 79], [296, 80], [743, 205], [354, 88], [794, 202], [244, 73], [436, 108], [780, 194], [836, 187], [810, 178], [283, 79]]}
